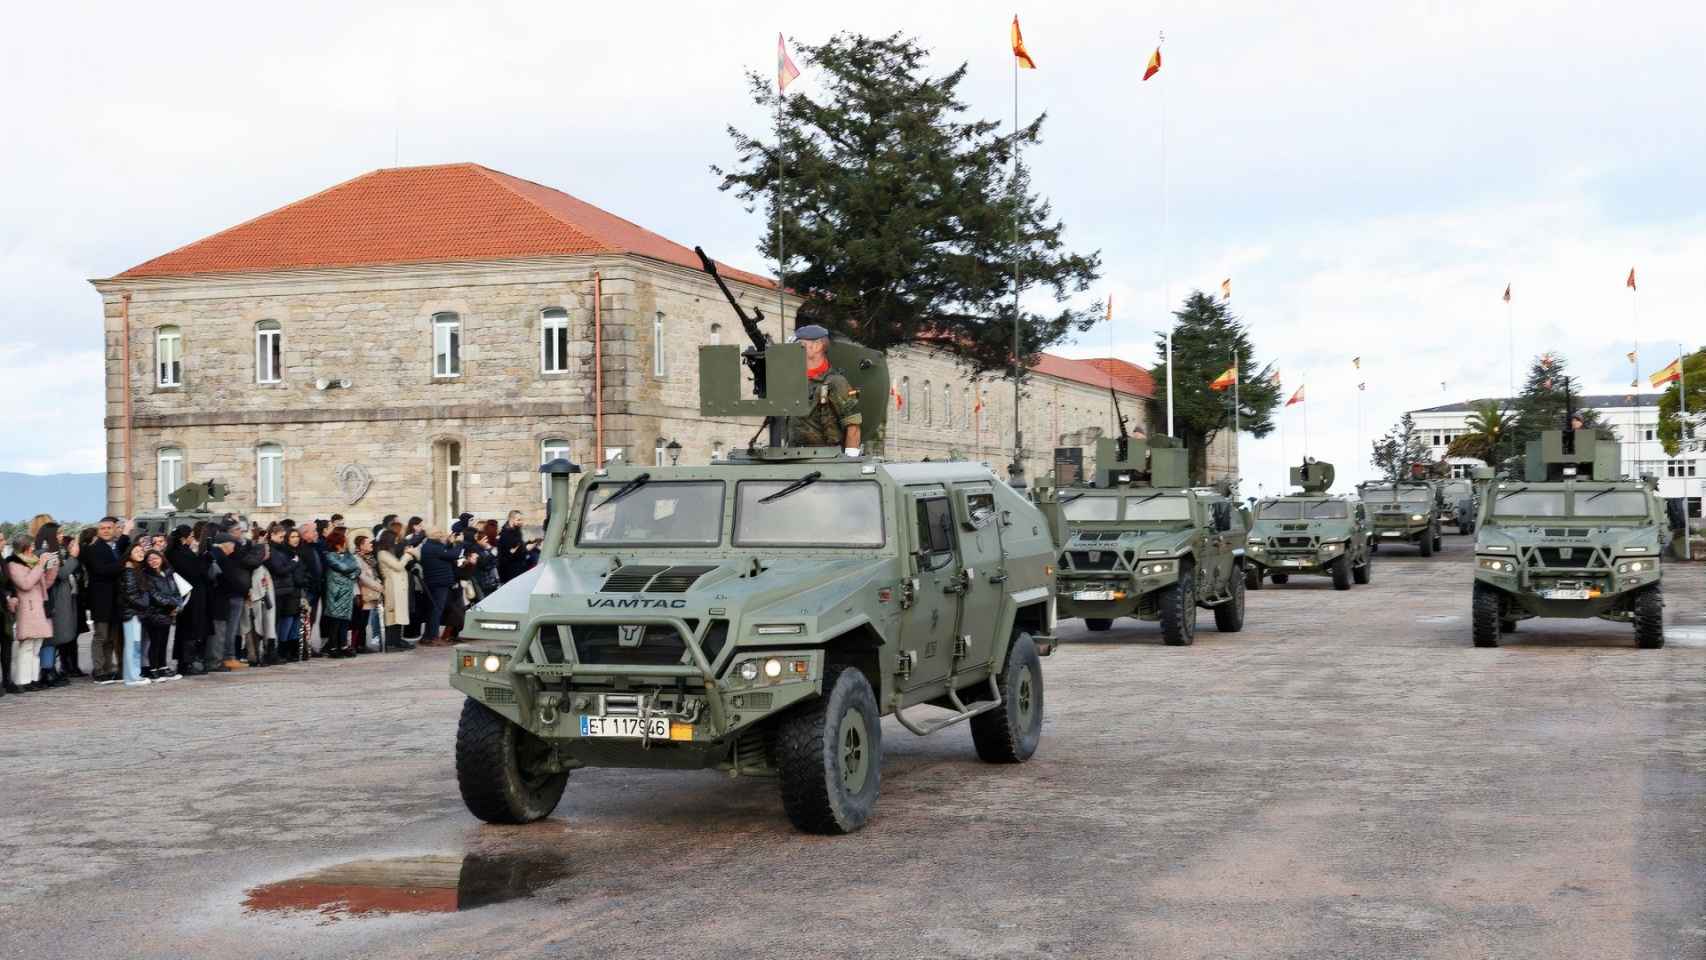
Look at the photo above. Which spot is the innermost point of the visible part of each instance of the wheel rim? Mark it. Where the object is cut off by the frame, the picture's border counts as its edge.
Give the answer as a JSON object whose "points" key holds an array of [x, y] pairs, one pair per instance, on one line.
{"points": [[854, 753], [1024, 699]]}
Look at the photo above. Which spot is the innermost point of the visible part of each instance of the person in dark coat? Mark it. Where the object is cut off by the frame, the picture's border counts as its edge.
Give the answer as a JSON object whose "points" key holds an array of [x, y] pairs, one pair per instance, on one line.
{"points": [[286, 572], [188, 560], [312, 553], [164, 602], [104, 560], [512, 549], [67, 608], [438, 572]]}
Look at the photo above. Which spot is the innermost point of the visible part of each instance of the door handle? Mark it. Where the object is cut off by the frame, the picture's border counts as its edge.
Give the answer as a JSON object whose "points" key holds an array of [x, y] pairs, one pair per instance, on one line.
{"points": [[998, 578]]}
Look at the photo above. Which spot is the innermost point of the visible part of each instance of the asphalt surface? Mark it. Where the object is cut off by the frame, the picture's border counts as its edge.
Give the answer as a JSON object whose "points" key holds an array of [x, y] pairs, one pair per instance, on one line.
{"points": [[1345, 778]]}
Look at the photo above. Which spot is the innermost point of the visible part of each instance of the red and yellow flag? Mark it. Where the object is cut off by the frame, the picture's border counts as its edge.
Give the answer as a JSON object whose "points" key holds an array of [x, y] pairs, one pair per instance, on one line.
{"points": [[1225, 380], [1296, 397], [1154, 64], [1226, 289], [1630, 283], [1019, 51], [786, 72], [1669, 374], [1507, 293], [896, 394]]}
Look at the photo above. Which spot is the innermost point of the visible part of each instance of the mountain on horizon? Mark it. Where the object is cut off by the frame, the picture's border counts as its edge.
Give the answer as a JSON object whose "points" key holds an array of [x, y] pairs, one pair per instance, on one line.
{"points": [[80, 497]]}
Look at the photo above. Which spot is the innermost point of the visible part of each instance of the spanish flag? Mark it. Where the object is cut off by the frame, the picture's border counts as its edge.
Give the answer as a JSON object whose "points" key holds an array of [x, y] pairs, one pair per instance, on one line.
{"points": [[1630, 283], [1226, 289], [896, 394], [1669, 374], [1149, 71], [1225, 380], [1507, 293], [786, 72], [1019, 52], [1296, 397]]}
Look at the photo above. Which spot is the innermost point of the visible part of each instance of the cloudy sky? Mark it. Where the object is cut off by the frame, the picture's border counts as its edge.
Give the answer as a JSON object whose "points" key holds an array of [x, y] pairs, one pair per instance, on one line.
{"points": [[1370, 175]]}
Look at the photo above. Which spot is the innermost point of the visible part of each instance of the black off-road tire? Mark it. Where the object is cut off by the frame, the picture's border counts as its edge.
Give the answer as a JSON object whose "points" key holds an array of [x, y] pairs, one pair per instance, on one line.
{"points": [[1485, 612], [1363, 572], [813, 754], [1281, 578], [492, 757], [1507, 626], [1374, 547], [1428, 545], [1098, 624], [1229, 615], [1179, 610], [1253, 576], [1342, 573], [1439, 544], [1010, 733], [1650, 618]]}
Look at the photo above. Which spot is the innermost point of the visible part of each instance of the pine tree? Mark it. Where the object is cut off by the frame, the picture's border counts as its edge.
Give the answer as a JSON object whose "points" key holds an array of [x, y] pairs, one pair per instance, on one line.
{"points": [[1548, 396], [899, 212], [1400, 448], [1205, 336]]}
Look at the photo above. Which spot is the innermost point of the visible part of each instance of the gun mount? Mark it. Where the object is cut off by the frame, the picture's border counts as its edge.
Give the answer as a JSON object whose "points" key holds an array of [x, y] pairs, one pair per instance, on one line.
{"points": [[1151, 462], [1314, 476], [1573, 455], [194, 497]]}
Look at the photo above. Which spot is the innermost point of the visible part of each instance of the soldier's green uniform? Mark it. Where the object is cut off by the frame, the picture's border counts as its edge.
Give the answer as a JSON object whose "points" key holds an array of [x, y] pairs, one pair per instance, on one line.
{"points": [[835, 407]]}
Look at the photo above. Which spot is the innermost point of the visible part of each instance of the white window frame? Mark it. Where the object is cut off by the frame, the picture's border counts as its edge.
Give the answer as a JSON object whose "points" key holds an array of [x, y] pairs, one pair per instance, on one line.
{"points": [[553, 340], [716, 338], [660, 359], [169, 474], [662, 452], [551, 448], [446, 349], [269, 494], [906, 398], [948, 405], [269, 352], [169, 371], [929, 411], [453, 478]]}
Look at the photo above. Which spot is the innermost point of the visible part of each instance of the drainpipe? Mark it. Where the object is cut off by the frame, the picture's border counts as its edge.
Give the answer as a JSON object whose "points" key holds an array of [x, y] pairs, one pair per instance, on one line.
{"points": [[129, 450], [598, 363]]}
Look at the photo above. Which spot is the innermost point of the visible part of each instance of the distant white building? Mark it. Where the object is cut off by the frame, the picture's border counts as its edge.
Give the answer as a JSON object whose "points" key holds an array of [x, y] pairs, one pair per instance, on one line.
{"points": [[1635, 417]]}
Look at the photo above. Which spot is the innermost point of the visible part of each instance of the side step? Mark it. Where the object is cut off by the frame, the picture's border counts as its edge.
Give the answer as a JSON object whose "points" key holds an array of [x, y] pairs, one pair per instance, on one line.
{"points": [[965, 712]]}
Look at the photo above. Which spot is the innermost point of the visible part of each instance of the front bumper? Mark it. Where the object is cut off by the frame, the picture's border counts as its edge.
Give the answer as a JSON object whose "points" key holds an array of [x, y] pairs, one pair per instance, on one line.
{"points": [[1103, 596], [1566, 593]]}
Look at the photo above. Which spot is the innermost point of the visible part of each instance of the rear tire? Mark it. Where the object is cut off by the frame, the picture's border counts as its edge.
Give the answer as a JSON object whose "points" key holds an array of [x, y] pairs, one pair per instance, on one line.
{"points": [[1507, 626], [1439, 544], [1485, 611], [1010, 734], [1253, 577], [1229, 615], [1342, 573], [829, 754], [1179, 610], [1428, 545], [1282, 578], [496, 764], [1098, 624], [1365, 572], [1650, 618]]}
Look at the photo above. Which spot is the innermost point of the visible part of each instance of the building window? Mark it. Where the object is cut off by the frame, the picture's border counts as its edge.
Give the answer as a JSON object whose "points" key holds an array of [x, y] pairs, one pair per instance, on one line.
{"points": [[269, 351], [906, 398], [269, 475], [660, 367], [170, 463], [928, 413], [554, 340], [446, 345], [662, 452], [716, 334], [1648, 435], [947, 406], [1680, 468], [555, 448], [169, 357], [447, 500], [717, 450]]}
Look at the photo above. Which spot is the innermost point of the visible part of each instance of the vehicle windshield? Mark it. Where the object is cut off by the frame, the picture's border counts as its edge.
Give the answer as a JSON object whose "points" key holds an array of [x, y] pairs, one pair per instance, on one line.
{"points": [[823, 514], [1151, 507], [1458, 488], [1087, 508], [1281, 510], [1529, 503], [1304, 510], [1610, 502], [1415, 495], [681, 513]]}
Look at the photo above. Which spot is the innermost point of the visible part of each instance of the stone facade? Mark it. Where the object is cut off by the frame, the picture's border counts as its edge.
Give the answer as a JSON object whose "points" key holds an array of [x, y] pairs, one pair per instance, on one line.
{"points": [[373, 327]]}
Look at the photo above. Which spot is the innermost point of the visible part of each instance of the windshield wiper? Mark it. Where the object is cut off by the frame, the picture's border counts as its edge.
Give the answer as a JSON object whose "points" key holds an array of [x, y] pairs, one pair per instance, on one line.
{"points": [[626, 489], [1152, 496], [1512, 493], [1598, 495], [799, 484], [1076, 496]]}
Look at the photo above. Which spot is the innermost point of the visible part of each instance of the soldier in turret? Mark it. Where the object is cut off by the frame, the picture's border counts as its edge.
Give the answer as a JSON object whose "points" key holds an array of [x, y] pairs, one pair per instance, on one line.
{"points": [[835, 418]]}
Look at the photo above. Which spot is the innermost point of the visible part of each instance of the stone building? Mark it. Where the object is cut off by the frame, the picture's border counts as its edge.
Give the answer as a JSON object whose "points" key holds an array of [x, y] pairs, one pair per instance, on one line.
{"points": [[418, 340]]}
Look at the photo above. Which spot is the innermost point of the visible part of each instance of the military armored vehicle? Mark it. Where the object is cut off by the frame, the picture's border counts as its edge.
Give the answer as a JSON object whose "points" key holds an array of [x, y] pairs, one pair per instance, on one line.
{"points": [[1462, 502], [1408, 511], [1139, 541], [1573, 538], [190, 504], [1310, 532], [759, 614]]}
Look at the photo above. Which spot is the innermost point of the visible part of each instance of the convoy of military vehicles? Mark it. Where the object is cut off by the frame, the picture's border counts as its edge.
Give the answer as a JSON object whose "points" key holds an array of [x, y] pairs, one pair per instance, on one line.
{"points": [[763, 613]]}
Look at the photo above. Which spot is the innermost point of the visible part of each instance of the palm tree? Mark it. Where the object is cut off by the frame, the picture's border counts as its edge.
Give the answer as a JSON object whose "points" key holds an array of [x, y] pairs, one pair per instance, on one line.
{"points": [[1489, 426]]}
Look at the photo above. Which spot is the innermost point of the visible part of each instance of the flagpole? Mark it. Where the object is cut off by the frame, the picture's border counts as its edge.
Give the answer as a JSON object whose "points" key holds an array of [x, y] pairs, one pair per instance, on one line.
{"points": [[1018, 470], [1166, 279], [781, 254], [1510, 348], [1305, 405]]}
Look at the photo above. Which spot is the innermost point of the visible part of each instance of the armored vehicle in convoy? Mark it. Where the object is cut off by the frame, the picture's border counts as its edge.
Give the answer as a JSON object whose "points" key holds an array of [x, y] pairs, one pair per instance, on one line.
{"points": [[1408, 511], [190, 504], [1139, 541], [1310, 532], [1573, 538], [1462, 501], [760, 614]]}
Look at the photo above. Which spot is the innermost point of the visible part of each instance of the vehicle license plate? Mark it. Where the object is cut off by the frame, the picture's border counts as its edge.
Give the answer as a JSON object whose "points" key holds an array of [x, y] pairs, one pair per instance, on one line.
{"points": [[629, 727], [1093, 595], [1297, 563], [1566, 594], [1392, 533]]}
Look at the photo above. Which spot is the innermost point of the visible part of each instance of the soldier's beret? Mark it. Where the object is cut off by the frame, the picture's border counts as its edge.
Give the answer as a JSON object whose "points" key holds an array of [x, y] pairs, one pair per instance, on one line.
{"points": [[810, 331]]}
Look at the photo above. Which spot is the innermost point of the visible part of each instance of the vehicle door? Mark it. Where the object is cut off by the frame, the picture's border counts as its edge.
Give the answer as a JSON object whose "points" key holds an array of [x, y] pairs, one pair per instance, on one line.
{"points": [[931, 622], [984, 573], [1359, 529], [1216, 564]]}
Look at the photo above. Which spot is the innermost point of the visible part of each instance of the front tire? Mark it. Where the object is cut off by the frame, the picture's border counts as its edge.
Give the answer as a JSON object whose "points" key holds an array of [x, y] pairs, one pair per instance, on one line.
{"points": [[1650, 618], [1010, 734], [1428, 545], [1282, 578], [499, 769], [1098, 624], [1179, 610], [830, 756], [1364, 572], [1229, 615], [1485, 610], [1342, 573], [1253, 577]]}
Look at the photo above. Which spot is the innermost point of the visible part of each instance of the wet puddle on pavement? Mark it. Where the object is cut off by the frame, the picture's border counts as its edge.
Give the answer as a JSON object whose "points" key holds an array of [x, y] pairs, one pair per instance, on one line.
{"points": [[435, 883]]}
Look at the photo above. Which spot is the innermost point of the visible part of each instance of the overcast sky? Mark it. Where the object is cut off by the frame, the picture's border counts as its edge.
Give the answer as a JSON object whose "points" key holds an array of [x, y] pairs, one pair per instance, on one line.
{"points": [[1370, 175]]}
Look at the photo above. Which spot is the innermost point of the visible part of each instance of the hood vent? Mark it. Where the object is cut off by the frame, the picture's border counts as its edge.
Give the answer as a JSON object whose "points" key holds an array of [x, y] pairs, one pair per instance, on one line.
{"points": [[678, 579], [631, 579], [1294, 526], [655, 579], [1565, 532]]}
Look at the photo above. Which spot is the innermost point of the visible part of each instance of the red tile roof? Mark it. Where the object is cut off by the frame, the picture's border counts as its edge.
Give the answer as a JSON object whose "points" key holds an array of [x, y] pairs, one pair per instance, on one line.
{"points": [[1100, 372], [459, 211]]}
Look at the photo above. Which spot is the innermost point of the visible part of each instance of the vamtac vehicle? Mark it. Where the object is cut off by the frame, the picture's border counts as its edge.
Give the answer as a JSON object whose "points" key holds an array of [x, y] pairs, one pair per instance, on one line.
{"points": [[1573, 538], [1309, 532], [190, 504], [1462, 502], [1140, 542], [1407, 511], [759, 614]]}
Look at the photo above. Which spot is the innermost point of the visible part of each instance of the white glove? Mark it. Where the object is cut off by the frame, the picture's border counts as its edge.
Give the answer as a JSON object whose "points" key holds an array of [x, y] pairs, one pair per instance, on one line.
{"points": [[850, 451]]}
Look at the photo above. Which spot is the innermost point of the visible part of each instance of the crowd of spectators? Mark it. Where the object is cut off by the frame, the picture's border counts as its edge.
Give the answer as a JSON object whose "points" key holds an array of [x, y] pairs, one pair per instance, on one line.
{"points": [[225, 595]]}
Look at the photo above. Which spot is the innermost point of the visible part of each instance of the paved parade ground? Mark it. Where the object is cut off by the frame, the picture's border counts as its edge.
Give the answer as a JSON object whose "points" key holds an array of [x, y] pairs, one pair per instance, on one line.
{"points": [[1345, 778]]}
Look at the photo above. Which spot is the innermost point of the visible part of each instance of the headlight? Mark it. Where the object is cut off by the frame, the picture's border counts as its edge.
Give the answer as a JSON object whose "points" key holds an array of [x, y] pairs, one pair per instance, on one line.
{"points": [[1255, 541], [493, 663], [781, 629], [1148, 569], [503, 626], [1332, 547], [749, 671], [1417, 517], [1496, 564], [1636, 566], [772, 668], [1155, 553], [1499, 549]]}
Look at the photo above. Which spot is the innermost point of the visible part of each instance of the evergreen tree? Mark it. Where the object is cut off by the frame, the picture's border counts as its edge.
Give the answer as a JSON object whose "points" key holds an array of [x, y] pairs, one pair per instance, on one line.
{"points": [[1670, 424], [1205, 336], [899, 211], [1547, 396], [1400, 448]]}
